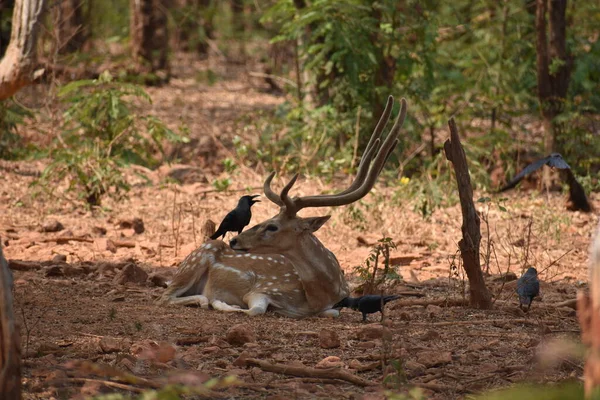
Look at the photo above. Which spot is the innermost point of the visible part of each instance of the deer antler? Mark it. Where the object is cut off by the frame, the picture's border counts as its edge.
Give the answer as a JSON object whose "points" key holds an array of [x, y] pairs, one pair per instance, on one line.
{"points": [[369, 168]]}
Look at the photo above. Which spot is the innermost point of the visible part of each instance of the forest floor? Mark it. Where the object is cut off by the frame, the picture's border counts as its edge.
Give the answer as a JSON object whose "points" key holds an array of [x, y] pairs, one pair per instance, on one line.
{"points": [[89, 328]]}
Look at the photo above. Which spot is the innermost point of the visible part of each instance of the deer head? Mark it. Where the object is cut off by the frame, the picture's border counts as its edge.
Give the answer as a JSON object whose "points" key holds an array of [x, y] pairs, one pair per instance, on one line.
{"points": [[280, 262]]}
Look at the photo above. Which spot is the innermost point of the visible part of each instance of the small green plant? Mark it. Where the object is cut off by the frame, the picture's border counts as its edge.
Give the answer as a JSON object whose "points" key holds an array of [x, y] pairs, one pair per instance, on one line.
{"points": [[229, 165], [369, 271], [222, 184], [138, 326], [101, 134], [112, 313], [11, 116]]}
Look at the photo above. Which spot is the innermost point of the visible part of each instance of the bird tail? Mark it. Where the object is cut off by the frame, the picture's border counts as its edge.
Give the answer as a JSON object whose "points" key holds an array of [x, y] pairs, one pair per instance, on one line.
{"points": [[217, 234], [387, 299]]}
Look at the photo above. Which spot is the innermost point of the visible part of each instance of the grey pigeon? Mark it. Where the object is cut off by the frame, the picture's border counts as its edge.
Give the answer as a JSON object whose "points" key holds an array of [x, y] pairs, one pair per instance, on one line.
{"points": [[528, 286]]}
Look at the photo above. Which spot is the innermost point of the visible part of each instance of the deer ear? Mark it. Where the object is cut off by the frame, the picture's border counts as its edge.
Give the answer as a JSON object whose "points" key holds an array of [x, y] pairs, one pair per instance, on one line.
{"points": [[313, 224]]}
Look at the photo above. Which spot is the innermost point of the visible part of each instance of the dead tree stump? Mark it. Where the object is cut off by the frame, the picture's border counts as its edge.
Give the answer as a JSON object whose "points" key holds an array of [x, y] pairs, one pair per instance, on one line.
{"points": [[588, 311], [479, 296], [10, 349]]}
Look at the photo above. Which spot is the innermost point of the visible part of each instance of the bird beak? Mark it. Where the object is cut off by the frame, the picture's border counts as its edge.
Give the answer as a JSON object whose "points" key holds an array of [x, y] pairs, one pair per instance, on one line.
{"points": [[255, 196]]}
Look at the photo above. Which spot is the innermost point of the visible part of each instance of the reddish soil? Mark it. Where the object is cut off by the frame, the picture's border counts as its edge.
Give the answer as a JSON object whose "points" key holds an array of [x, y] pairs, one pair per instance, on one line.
{"points": [[72, 309]]}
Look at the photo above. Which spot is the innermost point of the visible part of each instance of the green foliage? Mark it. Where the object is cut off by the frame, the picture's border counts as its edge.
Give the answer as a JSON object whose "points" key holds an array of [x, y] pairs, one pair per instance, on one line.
{"points": [[568, 391], [101, 134], [12, 115], [475, 61], [175, 392], [375, 272]]}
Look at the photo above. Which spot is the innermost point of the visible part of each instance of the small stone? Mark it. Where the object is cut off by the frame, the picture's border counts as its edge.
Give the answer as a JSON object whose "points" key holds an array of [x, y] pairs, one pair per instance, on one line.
{"points": [[330, 362], [52, 226], [430, 335], [211, 349], [432, 310], [221, 364], [414, 368], [99, 231], [59, 259], [138, 226], [158, 280], [131, 273], [431, 358], [109, 345], [111, 246], [241, 360], [54, 271], [328, 339], [404, 316], [136, 223], [374, 331], [240, 334], [366, 345]]}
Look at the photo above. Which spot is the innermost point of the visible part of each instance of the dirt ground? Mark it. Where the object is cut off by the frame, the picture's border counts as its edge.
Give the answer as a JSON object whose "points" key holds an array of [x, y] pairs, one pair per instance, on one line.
{"points": [[88, 327]]}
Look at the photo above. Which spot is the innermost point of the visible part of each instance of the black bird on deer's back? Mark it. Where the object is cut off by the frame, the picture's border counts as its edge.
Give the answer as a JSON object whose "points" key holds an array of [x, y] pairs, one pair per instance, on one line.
{"points": [[368, 304], [528, 286], [238, 218], [577, 198]]}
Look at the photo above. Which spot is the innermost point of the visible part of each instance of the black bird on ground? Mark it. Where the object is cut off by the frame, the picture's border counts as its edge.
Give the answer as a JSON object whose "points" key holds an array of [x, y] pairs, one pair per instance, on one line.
{"points": [[238, 218], [528, 286], [368, 304], [578, 201]]}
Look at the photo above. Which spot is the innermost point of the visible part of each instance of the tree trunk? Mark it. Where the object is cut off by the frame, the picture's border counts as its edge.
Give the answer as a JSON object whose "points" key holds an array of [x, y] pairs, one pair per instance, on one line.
{"points": [[195, 25], [479, 296], [588, 311], [16, 67], [70, 29], [149, 35], [10, 349], [552, 54]]}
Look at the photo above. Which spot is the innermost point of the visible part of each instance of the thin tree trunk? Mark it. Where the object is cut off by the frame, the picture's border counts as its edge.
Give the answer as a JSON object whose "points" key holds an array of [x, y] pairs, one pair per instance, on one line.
{"points": [[16, 67], [479, 295], [10, 349], [552, 88], [149, 35], [71, 26]]}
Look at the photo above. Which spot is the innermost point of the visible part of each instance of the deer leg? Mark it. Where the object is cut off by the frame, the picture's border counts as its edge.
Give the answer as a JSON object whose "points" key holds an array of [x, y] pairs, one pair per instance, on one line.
{"points": [[331, 313], [257, 304], [222, 306], [196, 300]]}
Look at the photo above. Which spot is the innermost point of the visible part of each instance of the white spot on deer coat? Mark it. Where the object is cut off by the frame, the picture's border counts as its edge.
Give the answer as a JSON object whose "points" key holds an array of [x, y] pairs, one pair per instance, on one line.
{"points": [[224, 267]]}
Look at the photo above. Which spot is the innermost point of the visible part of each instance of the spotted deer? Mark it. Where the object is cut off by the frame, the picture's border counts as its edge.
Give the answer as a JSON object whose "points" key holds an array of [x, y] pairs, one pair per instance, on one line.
{"points": [[280, 264]]}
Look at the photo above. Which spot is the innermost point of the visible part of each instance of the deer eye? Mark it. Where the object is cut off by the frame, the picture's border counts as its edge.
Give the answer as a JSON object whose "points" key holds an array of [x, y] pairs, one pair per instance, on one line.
{"points": [[272, 228]]}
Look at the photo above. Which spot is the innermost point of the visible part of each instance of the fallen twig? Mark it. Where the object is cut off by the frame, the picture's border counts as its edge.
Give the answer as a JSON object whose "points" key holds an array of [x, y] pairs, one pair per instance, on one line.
{"points": [[426, 302], [438, 387], [117, 385], [307, 372], [67, 239], [486, 321]]}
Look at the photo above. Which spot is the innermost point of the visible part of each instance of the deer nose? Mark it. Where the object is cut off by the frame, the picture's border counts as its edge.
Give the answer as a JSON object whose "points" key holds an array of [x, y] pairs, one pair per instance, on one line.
{"points": [[232, 242]]}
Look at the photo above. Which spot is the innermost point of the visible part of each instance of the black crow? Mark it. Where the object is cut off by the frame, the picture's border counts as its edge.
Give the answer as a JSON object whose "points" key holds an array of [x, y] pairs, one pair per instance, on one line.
{"points": [[368, 304], [238, 218], [528, 286], [577, 198]]}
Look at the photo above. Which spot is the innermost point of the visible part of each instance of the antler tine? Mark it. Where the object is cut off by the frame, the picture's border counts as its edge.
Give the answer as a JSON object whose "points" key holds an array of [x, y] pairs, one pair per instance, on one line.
{"points": [[365, 161], [290, 205], [348, 197], [271, 195]]}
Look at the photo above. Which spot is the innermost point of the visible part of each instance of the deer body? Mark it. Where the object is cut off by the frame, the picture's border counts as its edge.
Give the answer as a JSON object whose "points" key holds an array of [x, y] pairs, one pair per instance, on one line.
{"points": [[280, 263]]}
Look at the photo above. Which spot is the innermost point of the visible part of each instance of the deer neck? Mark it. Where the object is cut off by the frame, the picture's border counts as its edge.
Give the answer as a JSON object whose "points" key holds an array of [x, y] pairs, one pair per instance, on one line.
{"points": [[319, 271]]}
